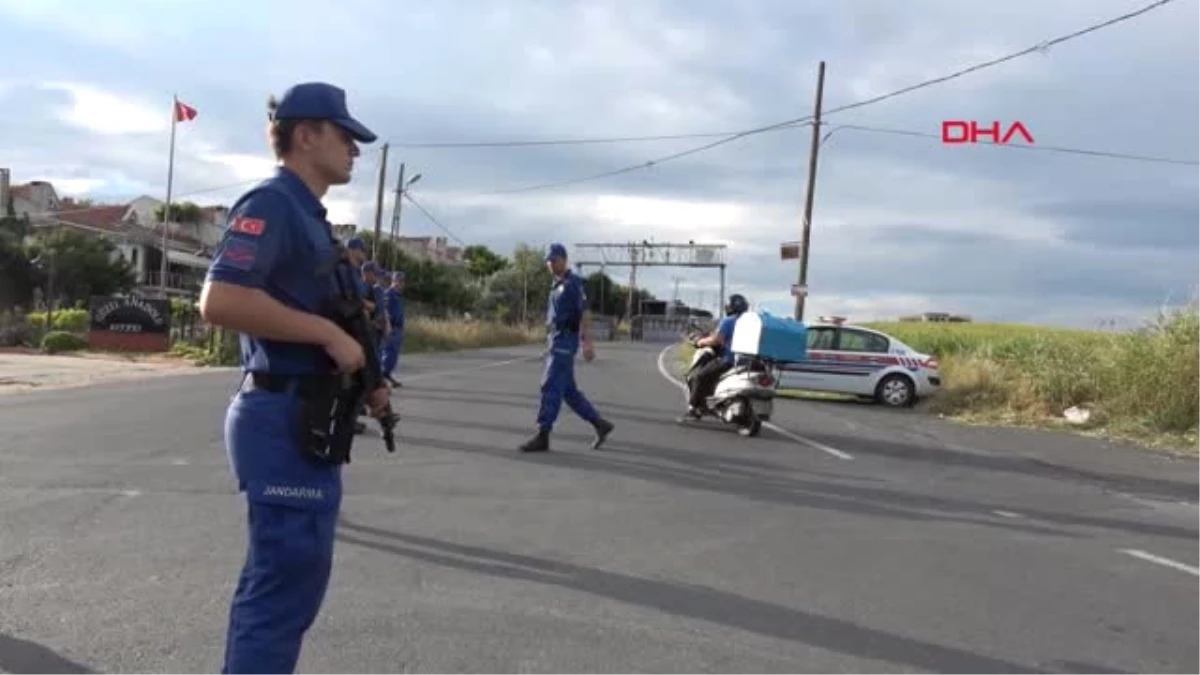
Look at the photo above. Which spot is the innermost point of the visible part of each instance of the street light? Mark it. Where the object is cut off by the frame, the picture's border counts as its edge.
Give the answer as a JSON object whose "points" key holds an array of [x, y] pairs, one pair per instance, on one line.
{"points": [[397, 209]]}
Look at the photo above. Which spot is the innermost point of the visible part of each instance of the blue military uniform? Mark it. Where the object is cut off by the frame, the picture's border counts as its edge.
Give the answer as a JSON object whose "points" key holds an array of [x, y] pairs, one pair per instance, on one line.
{"points": [[395, 310], [379, 315], [564, 316], [279, 241], [359, 245]]}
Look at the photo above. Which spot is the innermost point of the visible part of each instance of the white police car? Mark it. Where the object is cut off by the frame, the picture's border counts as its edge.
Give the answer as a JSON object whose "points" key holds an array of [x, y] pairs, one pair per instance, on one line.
{"points": [[847, 359]]}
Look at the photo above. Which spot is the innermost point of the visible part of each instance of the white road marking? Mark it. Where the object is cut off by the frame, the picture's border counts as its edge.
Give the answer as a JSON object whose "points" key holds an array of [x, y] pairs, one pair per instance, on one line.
{"points": [[808, 441], [494, 364], [180, 462], [662, 369], [131, 493], [1006, 514], [1166, 562]]}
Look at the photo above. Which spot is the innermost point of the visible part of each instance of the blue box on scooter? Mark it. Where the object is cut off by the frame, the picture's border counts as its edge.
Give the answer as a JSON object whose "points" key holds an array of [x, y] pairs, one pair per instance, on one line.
{"points": [[769, 337]]}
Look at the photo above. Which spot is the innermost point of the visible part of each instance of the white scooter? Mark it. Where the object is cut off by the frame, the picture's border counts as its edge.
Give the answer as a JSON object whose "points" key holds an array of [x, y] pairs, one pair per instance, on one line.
{"points": [[744, 396]]}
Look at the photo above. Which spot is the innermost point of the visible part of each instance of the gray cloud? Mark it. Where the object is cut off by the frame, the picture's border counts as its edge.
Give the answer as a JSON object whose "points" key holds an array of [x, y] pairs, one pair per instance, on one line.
{"points": [[898, 219]]}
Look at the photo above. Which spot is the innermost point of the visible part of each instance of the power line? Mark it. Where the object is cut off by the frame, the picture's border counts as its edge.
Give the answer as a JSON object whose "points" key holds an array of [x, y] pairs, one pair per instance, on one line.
{"points": [[1041, 46], [564, 141], [791, 123], [1041, 148], [432, 219]]}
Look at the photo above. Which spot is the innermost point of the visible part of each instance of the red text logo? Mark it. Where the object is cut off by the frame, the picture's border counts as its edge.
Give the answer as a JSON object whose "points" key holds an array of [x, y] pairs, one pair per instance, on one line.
{"points": [[969, 131]]}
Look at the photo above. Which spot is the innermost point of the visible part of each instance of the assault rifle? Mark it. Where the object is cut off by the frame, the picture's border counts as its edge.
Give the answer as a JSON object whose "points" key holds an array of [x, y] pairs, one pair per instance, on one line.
{"points": [[347, 311]]}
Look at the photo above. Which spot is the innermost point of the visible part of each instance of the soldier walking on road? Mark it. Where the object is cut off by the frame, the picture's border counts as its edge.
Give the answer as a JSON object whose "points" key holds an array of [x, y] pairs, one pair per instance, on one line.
{"points": [[569, 329]]}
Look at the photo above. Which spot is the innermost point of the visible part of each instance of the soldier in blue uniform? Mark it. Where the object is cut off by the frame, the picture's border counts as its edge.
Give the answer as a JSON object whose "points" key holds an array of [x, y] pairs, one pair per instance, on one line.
{"points": [[370, 274], [271, 275], [569, 329], [395, 308], [356, 248]]}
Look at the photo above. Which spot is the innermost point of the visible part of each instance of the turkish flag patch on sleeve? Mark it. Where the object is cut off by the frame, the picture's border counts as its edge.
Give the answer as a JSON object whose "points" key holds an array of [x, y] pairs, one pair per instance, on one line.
{"points": [[251, 226]]}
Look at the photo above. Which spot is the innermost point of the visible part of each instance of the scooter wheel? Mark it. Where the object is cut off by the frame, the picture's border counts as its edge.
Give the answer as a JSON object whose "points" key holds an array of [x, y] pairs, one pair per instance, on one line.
{"points": [[751, 429]]}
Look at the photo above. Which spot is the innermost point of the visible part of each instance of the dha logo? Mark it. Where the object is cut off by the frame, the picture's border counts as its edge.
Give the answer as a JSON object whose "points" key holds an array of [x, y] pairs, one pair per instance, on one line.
{"points": [[294, 492]]}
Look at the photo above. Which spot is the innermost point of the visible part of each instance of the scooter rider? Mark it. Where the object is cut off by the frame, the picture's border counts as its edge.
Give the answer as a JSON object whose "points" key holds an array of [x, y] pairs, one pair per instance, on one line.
{"points": [[704, 382]]}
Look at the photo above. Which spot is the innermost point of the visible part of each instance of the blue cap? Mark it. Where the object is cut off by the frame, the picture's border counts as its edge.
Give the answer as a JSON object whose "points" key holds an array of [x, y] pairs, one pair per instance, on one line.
{"points": [[356, 244], [398, 275], [370, 266], [321, 101], [556, 251]]}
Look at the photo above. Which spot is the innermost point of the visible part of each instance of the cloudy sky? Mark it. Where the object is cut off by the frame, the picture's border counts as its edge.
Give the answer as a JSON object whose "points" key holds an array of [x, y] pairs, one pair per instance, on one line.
{"points": [[901, 223]]}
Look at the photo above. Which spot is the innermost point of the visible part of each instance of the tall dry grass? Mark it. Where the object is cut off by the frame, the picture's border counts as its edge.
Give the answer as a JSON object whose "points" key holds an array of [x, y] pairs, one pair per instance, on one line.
{"points": [[439, 335], [1142, 384]]}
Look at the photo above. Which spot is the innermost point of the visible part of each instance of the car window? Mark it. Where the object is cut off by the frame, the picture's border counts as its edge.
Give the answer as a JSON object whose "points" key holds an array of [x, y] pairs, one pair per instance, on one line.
{"points": [[820, 338], [862, 341]]}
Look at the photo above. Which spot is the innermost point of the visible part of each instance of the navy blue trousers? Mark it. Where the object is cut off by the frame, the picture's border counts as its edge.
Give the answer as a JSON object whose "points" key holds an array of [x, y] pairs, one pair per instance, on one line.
{"points": [[558, 385], [292, 509], [391, 350]]}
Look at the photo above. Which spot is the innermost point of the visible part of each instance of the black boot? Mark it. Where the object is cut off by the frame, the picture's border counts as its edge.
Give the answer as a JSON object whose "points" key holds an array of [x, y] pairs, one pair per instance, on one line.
{"points": [[603, 429], [539, 442]]}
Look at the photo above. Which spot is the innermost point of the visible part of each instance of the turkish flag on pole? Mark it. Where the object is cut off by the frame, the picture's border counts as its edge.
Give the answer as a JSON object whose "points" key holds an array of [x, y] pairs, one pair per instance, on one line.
{"points": [[184, 112]]}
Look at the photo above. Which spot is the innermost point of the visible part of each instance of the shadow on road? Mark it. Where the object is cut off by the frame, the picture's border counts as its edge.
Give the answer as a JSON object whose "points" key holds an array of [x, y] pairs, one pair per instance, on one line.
{"points": [[23, 656], [686, 600], [526, 399], [759, 480], [832, 493], [766, 481]]}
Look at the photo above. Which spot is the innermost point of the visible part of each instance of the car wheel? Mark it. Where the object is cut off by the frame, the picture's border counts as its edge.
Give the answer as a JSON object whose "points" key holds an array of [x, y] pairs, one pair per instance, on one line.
{"points": [[896, 391]]}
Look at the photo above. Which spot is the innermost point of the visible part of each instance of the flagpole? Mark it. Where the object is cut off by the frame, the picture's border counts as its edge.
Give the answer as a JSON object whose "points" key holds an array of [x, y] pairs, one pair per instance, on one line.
{"points": [[170, 180]]}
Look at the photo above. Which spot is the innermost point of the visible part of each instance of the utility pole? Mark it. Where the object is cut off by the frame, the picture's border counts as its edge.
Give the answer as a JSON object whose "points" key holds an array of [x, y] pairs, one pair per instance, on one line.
{"points": [[396, 208], [629, 302], [808, 198], [379, 204]]}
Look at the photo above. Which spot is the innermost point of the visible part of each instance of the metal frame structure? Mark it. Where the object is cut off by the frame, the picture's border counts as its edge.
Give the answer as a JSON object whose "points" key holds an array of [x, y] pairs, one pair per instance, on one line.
{"points": [[649, 254]]}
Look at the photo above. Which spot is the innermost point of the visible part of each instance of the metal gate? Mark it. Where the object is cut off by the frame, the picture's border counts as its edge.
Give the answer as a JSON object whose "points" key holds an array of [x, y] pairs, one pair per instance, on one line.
{"points": [[666, 329]]}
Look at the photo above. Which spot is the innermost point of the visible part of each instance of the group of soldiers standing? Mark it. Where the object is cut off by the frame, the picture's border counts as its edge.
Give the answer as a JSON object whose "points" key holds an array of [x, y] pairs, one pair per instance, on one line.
{"points": [[383, 291]]}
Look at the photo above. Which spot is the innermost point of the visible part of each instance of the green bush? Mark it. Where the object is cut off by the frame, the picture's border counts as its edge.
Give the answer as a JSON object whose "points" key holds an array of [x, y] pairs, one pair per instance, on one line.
{"points": [[61, 341], [69, 320]]}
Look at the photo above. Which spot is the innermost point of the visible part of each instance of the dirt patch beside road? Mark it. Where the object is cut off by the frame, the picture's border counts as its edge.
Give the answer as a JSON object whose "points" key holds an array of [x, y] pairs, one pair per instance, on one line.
{"points": [[29, 370]]}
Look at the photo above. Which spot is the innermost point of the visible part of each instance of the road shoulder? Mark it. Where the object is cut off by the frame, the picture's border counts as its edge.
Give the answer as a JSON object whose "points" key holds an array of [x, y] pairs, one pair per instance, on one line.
{"points": [[22, 372]]}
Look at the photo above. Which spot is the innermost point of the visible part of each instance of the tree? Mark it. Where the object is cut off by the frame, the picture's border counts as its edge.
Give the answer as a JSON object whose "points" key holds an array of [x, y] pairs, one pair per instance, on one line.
{"points": [[605, 296], [16, 274], [83, 265], [520, 291], [482, 262], [182, 212]]}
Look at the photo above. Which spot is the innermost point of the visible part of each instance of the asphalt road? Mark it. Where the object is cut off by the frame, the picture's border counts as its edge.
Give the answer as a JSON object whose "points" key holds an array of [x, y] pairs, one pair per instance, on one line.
{"points": [[846, 538]]}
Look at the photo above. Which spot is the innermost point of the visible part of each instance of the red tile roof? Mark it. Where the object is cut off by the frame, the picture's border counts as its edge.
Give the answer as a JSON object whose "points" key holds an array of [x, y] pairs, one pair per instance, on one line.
{"points": [[107, 217]]}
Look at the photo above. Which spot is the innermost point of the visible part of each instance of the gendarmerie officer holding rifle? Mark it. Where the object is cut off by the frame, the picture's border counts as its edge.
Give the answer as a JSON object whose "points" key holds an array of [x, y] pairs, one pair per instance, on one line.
{"points": [[275, 276]]}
